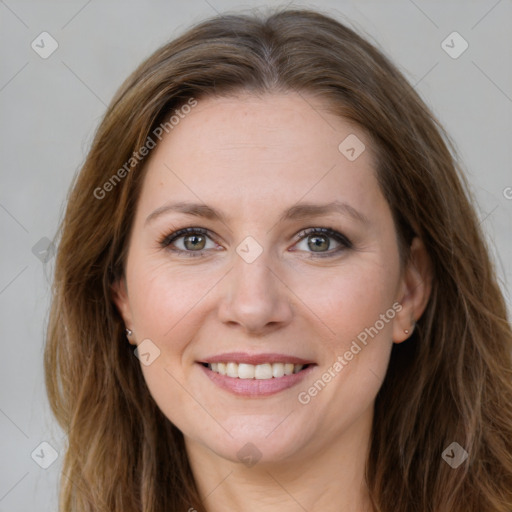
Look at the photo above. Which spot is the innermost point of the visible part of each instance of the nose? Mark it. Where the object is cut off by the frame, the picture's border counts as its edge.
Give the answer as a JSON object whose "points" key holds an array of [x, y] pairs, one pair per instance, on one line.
{"points": [[254, 297]]}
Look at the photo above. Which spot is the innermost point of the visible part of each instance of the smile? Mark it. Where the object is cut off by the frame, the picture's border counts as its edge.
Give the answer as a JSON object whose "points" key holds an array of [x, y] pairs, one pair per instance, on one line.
{"points": [[255, 375], [258, 371]]}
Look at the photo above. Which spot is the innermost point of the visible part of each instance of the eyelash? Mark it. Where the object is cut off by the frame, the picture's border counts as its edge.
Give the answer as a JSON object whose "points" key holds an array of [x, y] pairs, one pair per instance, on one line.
{"points": [[344, 242]]}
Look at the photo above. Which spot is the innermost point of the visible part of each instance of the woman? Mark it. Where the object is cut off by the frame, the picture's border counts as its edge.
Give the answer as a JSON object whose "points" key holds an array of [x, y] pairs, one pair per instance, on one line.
{"points": [[272, 291]]}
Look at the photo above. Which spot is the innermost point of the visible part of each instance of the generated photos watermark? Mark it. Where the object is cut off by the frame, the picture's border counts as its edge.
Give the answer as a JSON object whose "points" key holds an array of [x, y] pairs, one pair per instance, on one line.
{"points": [[305, 397], [143, 151]]}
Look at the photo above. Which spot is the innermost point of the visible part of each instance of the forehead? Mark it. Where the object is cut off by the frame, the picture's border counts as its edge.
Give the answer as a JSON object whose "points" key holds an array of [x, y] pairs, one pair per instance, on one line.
{"points": [[266, 125], [261, 150]]}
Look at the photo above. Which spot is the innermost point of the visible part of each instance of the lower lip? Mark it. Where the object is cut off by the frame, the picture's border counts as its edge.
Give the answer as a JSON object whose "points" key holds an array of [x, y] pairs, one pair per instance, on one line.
{"points": [[256, 387]]}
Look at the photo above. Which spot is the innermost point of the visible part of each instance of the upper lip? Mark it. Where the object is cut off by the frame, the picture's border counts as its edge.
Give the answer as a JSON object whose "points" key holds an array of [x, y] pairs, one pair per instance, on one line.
{"points": [[254, 359]]}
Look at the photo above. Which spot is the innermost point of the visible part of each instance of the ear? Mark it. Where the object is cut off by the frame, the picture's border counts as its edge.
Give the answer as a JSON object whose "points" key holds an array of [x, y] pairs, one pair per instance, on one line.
{"points": [[414, 291], [120, 298]]}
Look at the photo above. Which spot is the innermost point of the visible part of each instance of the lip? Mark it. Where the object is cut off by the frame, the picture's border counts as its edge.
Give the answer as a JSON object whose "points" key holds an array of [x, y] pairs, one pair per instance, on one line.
{"points": [[256, 388], [243, 357]]}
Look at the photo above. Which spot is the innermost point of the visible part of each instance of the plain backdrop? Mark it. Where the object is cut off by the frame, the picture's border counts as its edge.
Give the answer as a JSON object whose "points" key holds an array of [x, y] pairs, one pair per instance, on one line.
{"points": [[50, 108]]}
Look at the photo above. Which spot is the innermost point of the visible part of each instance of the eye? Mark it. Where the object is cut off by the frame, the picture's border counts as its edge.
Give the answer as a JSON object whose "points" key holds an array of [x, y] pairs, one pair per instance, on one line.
{"points": [[317, 241], [193, 241]]}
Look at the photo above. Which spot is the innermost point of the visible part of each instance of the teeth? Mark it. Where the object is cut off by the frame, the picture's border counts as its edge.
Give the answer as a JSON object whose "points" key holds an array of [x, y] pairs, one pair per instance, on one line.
{"points": [[232, 370], [263, 371], [258, 371], [277, 370], [245, 371]]}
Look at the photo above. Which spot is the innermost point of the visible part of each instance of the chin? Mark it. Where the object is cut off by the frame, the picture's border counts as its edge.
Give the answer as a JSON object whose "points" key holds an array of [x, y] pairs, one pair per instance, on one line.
{"points": [[259, 440]]}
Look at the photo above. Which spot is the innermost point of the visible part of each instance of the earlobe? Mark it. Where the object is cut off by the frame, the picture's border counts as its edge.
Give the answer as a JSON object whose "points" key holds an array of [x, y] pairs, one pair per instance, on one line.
{"points": [[415, 291]]}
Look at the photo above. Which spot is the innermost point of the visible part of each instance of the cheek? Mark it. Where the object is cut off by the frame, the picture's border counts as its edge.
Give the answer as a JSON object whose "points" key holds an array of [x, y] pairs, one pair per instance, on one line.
{"points": [[165, 303], [164, 296], [350, 298], [356, 304]]}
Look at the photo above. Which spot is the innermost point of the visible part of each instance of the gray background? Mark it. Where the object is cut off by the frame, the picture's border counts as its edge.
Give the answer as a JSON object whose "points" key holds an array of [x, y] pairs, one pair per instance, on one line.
{"points": [[51, 107]]}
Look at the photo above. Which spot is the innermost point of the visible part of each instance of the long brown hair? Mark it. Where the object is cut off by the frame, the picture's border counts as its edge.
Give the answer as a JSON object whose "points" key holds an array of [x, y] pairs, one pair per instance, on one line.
{"points": [[450, 382]]}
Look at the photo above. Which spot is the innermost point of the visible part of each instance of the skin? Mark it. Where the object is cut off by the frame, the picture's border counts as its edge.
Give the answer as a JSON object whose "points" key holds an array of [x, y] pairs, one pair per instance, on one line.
{"points": [[252, 158]]}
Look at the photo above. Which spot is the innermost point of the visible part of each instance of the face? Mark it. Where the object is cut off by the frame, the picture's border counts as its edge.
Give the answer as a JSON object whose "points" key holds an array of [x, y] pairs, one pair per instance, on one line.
{"points": [[261, 286]]}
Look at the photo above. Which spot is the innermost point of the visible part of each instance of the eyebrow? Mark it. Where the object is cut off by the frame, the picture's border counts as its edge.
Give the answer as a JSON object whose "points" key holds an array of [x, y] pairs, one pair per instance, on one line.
{"points": [[300, 211]]}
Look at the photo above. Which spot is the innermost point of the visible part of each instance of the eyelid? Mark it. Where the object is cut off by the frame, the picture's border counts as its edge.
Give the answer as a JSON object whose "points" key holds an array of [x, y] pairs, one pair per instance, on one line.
{"points": [[167, 239], [330, 232], [341, 239]]}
